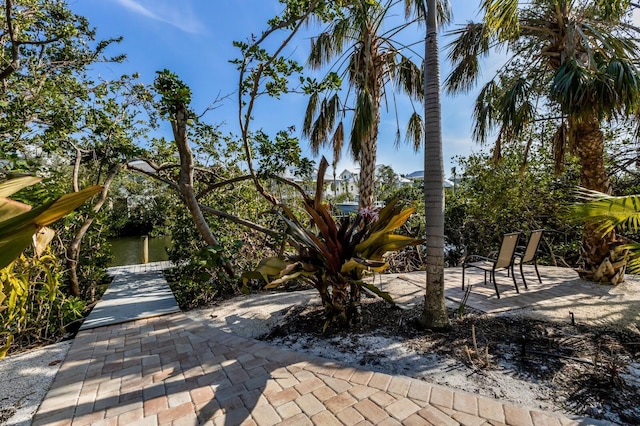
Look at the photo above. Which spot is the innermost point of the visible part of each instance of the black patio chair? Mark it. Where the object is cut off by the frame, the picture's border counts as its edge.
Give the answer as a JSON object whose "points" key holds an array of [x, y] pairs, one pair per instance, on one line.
{"points": [[504, 260], [529, 254]]}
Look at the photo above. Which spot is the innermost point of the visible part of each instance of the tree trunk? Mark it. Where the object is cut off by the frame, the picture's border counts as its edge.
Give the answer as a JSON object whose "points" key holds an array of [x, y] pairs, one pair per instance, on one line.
{"points": [[596, 249], [368, 161], [338, 310], [73, 251], [185, 181], [435, 312]]}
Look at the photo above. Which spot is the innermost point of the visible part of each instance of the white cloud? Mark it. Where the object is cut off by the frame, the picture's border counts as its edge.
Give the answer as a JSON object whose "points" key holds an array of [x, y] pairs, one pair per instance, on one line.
{"points": [[171, 13]]}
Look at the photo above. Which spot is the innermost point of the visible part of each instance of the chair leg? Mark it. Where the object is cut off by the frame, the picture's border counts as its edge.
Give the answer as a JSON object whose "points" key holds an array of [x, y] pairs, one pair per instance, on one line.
{"points": [[495, 284], [524, 280], [513, 275], [535, 264], [463, 277]]}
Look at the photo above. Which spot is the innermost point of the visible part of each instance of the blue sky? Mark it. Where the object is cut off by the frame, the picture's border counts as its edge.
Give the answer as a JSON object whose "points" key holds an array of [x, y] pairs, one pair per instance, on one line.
{"points": [[193, 38]]}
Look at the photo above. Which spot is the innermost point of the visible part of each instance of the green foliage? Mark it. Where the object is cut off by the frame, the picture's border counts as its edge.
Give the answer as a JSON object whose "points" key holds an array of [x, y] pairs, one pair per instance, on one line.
{"points": [[276, 70], [33, 308], [493, 199], [386, 182], [198, 279], [172, 90], [201, 281], [45, 89], [275, 155]]}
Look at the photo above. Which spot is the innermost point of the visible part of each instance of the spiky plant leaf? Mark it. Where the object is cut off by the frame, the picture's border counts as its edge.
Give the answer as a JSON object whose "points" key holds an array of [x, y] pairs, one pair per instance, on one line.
{"points": [[12, 186]]}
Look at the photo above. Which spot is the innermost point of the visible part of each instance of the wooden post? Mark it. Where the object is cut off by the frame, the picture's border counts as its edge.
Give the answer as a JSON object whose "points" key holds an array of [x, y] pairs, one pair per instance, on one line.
{"points": [[145, 249]]}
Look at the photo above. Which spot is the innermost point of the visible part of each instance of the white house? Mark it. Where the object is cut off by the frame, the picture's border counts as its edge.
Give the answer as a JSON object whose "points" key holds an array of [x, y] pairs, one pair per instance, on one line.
{"points": [[418, 175]]}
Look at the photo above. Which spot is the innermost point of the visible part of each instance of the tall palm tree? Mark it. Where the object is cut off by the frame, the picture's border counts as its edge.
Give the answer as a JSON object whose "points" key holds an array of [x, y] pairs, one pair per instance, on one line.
{"points": [[575, 62], [434, 315], [369, 59]]}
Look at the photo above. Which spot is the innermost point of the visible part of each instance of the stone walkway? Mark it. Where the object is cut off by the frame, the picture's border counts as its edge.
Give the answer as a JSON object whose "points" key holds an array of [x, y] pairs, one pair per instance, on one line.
{"points": [[170, 369]]}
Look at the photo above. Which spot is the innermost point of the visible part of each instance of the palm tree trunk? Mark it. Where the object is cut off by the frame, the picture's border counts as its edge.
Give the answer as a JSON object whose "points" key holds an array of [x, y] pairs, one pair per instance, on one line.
{"points": [[596, 249], [435, 312], [368, 162]]}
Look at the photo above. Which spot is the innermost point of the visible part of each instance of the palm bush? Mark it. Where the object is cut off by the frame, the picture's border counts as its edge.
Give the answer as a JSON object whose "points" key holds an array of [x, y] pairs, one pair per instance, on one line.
{"points": [[607, 214]]}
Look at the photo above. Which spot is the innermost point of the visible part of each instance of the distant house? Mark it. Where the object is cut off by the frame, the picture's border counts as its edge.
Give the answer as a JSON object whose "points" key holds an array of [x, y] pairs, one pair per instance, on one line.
{"points": [[348, 182], [418, 175], [404, 181], [308, 183]]}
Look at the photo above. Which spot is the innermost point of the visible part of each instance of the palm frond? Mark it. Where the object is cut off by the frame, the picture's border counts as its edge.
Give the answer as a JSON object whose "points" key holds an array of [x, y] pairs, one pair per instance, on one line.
{"points": [[409, 78], [559, 145], [470, 44], [619, 87], [608, 212], [571, 86], [418, 8], [337, 142], [324, 123], [312, 109], [516, 109], [633, 260], [322, 50], [415, 131], [363, 121], [501, 17], [485, 113]]}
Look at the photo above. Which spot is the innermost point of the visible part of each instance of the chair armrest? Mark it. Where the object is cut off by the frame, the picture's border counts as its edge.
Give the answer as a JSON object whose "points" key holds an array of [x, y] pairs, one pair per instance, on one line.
{"points": [[475, 257]]}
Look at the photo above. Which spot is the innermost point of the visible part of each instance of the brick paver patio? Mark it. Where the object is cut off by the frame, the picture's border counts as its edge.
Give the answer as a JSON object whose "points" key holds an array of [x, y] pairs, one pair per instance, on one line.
{"points": [[170, 369]]}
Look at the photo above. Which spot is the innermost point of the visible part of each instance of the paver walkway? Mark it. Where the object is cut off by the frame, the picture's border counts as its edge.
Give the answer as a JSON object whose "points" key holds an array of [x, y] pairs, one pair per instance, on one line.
{"points": [[173, 370]]}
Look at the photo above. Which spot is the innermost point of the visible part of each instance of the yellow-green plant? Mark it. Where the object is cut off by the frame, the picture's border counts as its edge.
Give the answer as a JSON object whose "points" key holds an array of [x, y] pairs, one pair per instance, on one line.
{"points": [[19, 222], [333, 257], [30, 298], [33, 308]]}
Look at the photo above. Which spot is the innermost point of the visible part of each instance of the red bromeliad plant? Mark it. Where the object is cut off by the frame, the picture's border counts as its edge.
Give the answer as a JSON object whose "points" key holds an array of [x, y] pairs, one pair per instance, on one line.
{"points": [[334, 257]]}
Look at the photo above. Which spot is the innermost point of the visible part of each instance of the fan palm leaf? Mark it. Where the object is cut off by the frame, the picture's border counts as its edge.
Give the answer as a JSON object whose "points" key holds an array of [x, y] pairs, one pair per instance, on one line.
{"points": [[609, 212]]}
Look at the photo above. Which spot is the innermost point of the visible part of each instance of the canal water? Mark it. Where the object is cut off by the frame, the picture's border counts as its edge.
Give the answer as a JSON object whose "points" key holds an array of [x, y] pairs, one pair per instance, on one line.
{"points": [[128, 250]]}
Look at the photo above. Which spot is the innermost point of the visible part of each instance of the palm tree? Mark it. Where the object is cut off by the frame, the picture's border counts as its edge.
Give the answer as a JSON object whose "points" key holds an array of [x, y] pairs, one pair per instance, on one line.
{"points": [[370, 61], [574, 62], [434, 315]]}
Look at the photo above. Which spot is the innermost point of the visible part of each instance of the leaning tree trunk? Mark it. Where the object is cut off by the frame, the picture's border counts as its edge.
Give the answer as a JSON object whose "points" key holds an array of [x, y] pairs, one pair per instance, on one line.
{"points": [[601, 261], [435, 312], [179, 126], [73, 251]]}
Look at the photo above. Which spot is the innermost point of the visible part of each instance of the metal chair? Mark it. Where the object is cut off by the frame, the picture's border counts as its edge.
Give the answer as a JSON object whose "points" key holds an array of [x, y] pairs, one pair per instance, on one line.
{"points": [[489, 265], [529, 253]]}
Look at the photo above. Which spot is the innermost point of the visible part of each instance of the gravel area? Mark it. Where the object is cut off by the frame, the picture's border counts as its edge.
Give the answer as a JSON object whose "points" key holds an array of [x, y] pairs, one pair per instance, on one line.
{"points": [[25, 379]]}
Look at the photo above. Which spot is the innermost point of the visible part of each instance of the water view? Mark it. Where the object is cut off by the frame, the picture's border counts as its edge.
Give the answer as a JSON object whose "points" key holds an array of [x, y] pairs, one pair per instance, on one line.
{"points": [[128, 250]]}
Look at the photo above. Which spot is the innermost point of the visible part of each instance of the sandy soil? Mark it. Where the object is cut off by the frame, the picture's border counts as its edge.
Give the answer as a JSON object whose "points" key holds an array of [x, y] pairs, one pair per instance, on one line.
{"points": [[25, 379]]}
